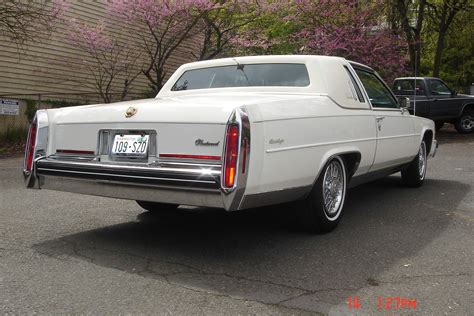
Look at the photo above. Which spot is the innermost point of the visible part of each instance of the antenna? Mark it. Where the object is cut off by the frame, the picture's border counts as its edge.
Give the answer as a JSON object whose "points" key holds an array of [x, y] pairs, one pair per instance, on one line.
{"points": [[414, 84]]}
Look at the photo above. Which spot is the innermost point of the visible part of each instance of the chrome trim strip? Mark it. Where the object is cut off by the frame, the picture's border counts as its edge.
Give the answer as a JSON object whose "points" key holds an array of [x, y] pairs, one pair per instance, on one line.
{"points": [[399, 136], [320, 144], [74, 157], [338, 143], [275, 197], [318, 116], [42, 170], [129, 167]]}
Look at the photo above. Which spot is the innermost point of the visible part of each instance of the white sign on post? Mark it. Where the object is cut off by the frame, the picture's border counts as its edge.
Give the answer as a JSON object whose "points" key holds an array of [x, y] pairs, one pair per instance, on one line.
{"points": [[9, 107]]}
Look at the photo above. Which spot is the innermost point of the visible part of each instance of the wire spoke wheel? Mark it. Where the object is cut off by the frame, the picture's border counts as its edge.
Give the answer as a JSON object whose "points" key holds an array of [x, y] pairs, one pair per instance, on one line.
{"points": [[333, 188], [422, 160]]}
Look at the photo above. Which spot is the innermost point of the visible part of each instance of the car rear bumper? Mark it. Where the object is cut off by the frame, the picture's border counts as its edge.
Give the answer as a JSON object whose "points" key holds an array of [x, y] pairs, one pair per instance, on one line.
{"points": [[175, 183]]}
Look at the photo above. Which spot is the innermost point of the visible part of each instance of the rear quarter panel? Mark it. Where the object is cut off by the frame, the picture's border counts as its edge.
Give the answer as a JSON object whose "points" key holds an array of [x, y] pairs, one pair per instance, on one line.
{"points": [[292, 142], [422, 126]]}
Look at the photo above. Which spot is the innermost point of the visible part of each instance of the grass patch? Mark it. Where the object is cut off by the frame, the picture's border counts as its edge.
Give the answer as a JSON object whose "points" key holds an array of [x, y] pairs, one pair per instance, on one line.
{"points": [[12, 141], [14, 135]]}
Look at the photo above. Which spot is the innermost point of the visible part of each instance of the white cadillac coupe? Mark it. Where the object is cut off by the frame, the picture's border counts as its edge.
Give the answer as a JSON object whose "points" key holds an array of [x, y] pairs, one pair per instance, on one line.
{"points": [[237, 133]]}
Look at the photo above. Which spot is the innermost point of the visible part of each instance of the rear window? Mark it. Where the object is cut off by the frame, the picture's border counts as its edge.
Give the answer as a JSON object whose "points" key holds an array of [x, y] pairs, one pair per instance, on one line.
{"points": [[250, 75], [406, 86]]}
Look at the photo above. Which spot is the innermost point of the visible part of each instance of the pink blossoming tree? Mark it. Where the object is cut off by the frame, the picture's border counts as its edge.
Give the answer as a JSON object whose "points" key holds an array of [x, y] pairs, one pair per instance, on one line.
{"points": [[351, 29], [160, 27], [111, 61], [348, 28]]}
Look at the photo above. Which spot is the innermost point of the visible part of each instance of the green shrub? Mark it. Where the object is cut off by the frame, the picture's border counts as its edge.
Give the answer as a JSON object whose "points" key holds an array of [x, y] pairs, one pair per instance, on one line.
{"points": [[14, 135], [30, 109]]}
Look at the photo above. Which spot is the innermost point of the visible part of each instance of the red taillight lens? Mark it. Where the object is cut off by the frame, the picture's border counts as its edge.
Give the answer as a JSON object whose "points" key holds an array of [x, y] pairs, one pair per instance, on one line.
{"points": [[230, 158], [30, 145]]}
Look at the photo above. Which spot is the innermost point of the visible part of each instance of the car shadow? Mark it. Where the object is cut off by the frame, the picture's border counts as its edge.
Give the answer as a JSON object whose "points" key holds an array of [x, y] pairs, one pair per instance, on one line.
{"points": [[255, 256]]}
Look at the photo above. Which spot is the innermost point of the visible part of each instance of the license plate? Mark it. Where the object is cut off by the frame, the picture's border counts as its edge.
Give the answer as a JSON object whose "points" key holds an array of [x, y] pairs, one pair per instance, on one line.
{"points": [[130, 145]]}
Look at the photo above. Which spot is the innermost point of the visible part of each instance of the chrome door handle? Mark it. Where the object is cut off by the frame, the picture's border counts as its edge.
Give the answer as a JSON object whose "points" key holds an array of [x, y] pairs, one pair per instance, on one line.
{"points": [[379, 119]]}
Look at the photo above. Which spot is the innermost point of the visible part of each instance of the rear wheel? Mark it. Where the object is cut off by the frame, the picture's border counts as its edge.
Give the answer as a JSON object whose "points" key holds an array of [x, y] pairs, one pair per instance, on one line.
{"points": [[157, 207], [415, 174], [321, 211], [465, 124]]}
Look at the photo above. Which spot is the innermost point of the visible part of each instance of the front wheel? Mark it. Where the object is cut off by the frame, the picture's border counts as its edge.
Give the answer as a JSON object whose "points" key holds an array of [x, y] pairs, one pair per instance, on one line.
{"points": [[414, 175], [321, 211], [157, 207], [465, 124]]}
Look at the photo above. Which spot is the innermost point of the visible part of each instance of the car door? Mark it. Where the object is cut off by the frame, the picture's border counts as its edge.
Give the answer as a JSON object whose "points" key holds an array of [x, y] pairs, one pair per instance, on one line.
{"points": [[443, 102], [396, 139]]}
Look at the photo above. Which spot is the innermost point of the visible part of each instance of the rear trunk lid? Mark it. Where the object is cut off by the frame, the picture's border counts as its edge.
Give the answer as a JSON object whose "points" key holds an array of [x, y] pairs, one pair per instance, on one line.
{"points": [[180, 127]]}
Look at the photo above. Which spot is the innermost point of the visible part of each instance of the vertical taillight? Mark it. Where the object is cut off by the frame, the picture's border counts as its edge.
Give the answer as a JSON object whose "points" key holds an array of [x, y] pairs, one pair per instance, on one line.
{"points": [[231, 155], [30, 145]]}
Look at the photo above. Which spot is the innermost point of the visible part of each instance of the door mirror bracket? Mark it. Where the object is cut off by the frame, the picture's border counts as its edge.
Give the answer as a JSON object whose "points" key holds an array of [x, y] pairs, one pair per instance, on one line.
{"points": [[403, 102]]}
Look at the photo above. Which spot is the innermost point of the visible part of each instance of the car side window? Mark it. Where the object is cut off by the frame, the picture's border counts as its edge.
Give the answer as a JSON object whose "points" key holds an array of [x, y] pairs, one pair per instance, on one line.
{"points": [[379, 95], [437, 87]]}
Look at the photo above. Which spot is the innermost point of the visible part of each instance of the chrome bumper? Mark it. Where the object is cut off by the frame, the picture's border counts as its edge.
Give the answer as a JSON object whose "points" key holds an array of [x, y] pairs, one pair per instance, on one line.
{"points": [[176, 183]]}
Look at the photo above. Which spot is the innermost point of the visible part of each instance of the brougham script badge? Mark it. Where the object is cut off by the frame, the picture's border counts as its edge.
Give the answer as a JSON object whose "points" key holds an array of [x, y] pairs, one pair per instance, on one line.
{"points": [[131, 111], [201, 142]]}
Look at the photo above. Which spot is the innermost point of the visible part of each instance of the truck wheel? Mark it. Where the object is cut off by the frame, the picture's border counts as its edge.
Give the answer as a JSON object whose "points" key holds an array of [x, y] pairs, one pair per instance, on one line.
{"points": [[157, 207], [439, 125], [465, 124], [321, 211], [415, 174]]}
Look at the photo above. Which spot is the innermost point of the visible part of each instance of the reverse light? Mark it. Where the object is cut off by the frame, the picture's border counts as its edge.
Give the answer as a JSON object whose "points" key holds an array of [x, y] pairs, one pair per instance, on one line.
{"points": [[231, 155], [30, 146]]}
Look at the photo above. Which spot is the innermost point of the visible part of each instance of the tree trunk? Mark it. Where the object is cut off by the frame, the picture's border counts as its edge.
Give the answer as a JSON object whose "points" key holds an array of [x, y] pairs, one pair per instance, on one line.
{"points": [[439, 52], [445, 18], [412, 34]]}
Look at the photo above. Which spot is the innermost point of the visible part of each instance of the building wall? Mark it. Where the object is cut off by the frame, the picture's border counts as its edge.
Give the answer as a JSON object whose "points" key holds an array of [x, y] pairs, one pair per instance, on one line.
{"points": [[42, 67]]}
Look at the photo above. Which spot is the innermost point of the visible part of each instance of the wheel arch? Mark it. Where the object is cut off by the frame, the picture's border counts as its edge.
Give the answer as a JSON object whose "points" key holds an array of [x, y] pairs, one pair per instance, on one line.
{"points": [[351, 157], [467, 106], [428, 136]]}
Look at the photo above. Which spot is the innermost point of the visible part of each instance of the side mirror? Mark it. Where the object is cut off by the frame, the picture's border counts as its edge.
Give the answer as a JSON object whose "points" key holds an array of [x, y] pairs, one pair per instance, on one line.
{"points": [[403, 102], [454, 93]]}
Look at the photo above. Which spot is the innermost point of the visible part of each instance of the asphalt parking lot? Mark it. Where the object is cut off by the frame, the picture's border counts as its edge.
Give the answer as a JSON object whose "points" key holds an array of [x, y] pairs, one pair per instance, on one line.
{"points": [[66, 253]]}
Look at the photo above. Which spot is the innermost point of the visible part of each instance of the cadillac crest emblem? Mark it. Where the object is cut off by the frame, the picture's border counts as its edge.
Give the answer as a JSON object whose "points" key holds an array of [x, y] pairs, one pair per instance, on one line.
{"points": [[131, 111]]}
